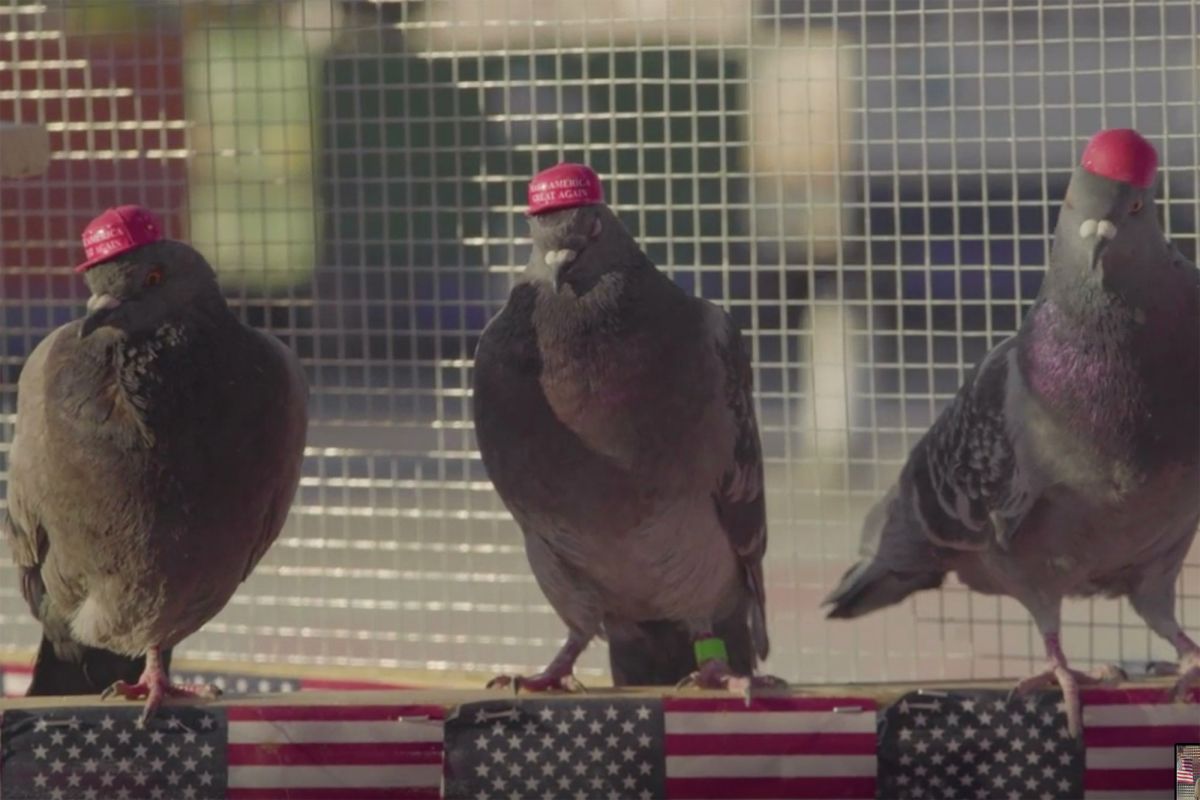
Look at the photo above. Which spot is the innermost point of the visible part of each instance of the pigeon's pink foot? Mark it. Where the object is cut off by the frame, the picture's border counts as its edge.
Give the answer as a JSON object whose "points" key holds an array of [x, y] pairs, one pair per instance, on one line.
{"points": [[716, 674], [558, 676], [153, 686], [1188, 668], [1069, 680], [545, 681], [1189, 676]]}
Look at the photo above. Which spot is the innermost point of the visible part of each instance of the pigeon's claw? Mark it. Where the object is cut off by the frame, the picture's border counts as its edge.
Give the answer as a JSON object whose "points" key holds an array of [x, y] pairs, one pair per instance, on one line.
{"points": [[154, 691], [1188, 670], [1069, 680], [717, 674], [558, 676], [153, 686], [129, 691], [546, 681]]}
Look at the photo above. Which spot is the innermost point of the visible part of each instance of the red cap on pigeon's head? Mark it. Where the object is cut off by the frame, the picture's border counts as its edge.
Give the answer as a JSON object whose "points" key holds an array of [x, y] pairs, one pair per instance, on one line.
{"points": [[564, 186], [1121, 154], [116, 231]]}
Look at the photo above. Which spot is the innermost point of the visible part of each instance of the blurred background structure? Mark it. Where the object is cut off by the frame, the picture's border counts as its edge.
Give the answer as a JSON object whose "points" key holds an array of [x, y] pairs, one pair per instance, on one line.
{"points": [[870, 186]]}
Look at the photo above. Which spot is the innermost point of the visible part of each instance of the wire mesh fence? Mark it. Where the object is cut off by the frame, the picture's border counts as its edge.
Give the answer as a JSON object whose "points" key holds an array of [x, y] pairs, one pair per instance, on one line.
{"points": [[869, 187]]}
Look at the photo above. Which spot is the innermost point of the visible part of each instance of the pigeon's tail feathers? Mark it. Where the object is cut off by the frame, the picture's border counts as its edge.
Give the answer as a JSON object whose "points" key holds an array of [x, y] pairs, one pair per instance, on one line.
{"points": [[897, 560], [76, 669], [661, 653], [869, 586]]}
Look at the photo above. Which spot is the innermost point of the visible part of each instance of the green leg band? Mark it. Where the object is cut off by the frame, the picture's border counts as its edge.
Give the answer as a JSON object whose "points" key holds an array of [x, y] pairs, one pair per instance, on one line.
{"points": [[710, 649]]}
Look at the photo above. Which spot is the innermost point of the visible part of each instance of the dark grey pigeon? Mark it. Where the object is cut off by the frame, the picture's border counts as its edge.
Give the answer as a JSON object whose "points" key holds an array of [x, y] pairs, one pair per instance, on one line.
{"points": [[158, 447], [613, 412], [1069, 463]]}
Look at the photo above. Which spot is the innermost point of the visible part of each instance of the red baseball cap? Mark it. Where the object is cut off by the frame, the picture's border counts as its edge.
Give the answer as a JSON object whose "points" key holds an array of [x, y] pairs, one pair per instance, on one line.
{"points": [[116, 231], [1121, 154], [564, 186]]}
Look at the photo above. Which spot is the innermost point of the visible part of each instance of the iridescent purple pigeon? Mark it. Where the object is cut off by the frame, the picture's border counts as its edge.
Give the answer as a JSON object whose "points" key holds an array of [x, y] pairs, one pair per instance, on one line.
{"points": [[1069, 462]]}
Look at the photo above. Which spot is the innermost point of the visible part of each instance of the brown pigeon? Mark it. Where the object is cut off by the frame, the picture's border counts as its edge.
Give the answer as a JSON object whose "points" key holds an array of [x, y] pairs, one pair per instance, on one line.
{"points": [[158, 447]]}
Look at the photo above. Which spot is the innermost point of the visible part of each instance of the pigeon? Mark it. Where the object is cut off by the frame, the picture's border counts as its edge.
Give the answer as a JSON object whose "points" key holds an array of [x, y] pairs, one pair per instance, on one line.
{"points": [[1068, 463], [157, 450], [614, 416]]}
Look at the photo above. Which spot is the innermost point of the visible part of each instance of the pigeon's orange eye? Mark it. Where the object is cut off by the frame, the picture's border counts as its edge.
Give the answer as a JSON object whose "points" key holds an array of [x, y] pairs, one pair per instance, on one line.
{"points": [[1136, 207], [154, 277]]}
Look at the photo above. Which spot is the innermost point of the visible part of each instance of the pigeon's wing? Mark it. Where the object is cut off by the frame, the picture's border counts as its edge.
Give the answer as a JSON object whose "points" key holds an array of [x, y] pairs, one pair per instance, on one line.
{"points": [[739, 499], [508, 403], [27, 489], [965, 479], [284, 428]]}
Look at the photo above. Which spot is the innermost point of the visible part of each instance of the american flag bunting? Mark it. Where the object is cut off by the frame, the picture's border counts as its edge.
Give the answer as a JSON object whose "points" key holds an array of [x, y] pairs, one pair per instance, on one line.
{"points": [[928, 744], [234, 752], [649, 748], [978, 745], [794, 747], [585, 749], [1130, 736]]}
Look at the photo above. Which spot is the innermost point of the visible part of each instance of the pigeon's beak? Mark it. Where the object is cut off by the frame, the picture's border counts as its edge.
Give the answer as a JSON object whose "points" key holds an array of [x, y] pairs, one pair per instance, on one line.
{"points": [[1103, 231], [564, 260], [557, 261], [100, 308]]}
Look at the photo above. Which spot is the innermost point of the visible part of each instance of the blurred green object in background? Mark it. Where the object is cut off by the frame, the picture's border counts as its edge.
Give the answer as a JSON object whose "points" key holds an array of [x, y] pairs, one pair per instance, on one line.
{"points": [[115, 18], [252, 92]]}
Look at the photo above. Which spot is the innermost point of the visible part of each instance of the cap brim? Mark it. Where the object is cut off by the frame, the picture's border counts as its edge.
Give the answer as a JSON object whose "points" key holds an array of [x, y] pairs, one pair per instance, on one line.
{"points": [[95, 262], [85, 266], [546, 209]]}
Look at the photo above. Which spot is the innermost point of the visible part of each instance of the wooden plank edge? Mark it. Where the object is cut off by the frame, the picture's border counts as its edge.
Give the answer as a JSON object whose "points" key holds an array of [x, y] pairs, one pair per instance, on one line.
{"points": [[882, 694]]}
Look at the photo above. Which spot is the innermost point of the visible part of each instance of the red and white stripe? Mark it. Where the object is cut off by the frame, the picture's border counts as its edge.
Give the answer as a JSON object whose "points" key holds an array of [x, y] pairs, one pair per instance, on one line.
{"points": [[316, 752], [1130, 736], [1185, 771], [786, 747], [15, 679]]}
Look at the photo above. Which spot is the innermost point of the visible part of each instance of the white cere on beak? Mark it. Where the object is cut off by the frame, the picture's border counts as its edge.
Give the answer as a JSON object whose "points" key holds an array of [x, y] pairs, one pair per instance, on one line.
{"points": [[556, 258], [596, 228], [1097, 227], [99, 301]]}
